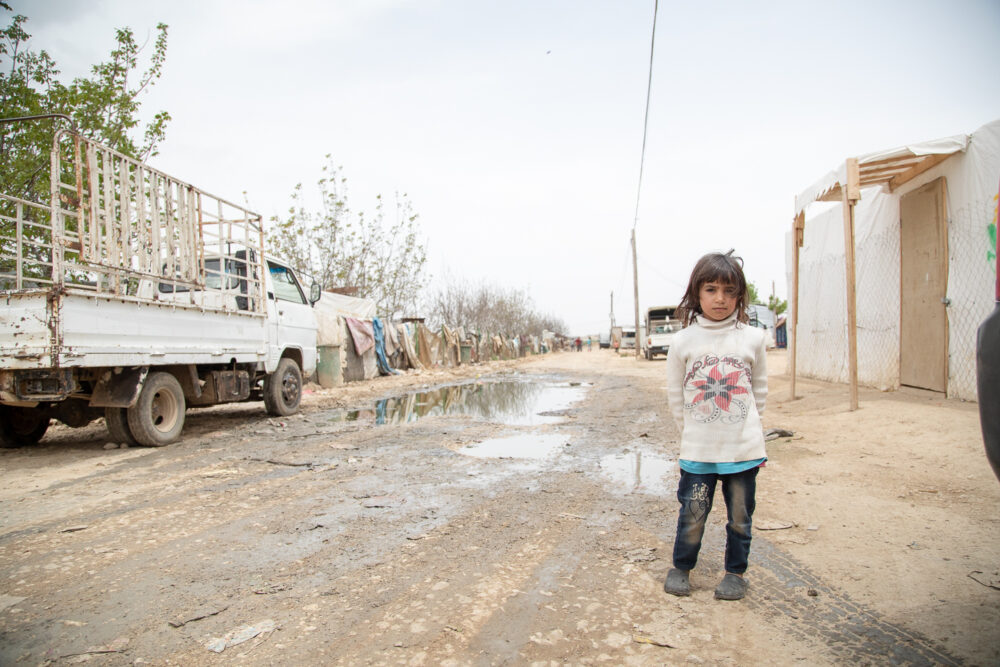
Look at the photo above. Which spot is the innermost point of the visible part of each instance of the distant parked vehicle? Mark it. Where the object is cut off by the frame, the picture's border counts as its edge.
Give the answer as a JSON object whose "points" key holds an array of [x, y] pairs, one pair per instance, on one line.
{"points": [[604, 340], [660, 329], [628, 339]]}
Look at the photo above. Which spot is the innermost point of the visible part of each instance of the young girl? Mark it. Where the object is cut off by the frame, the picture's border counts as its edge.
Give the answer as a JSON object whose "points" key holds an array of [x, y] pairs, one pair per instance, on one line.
{"points": [[716, 383]]}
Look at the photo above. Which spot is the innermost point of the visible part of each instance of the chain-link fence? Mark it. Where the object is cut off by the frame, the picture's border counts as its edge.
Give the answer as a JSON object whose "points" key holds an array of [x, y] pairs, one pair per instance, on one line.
{"points": [[971, 291]]}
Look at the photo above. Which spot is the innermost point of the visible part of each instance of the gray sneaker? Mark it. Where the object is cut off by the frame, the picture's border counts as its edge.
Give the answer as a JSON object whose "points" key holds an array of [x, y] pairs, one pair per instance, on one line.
{"points": [[732, 587], [677, 582]]}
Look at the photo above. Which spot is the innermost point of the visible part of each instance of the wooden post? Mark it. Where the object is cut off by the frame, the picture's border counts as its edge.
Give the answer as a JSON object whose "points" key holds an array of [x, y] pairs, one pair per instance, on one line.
{"points": [[635, 279], [792, 322], [850, 194]]}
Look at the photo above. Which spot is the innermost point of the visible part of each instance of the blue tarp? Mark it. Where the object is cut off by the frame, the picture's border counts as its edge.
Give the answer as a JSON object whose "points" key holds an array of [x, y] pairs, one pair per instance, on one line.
{"points": [[383, 363]]}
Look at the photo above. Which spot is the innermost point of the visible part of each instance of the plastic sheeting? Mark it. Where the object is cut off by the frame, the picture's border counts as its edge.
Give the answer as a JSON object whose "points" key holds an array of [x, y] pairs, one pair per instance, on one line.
{"points": [[331, 307], [944, 146]]}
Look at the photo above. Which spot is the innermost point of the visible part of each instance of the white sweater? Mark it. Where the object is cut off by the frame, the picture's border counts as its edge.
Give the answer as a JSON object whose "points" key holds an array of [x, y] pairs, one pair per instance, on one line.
{"points": [[717, 385]]}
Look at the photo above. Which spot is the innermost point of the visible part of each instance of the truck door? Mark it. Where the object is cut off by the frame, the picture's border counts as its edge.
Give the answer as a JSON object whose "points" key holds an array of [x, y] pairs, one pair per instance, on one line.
{"points": [[292, 322]]}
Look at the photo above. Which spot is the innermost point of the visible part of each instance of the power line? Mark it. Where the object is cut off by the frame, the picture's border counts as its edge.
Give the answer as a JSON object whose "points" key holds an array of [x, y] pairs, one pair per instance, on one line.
{"points": [[645, 121], [646, 264]]}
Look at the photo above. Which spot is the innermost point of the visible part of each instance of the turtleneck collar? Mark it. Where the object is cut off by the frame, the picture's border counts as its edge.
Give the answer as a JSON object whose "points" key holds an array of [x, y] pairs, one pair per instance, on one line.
{"points": [[728, 323]]}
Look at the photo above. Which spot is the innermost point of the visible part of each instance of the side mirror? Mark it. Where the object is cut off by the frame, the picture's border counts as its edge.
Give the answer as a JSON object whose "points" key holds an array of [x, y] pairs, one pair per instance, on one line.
{"points": [[314, 293]]}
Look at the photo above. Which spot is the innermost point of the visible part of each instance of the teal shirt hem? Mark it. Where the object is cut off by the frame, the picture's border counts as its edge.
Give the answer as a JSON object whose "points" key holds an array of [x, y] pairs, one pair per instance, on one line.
{"points": [[728, 468]]}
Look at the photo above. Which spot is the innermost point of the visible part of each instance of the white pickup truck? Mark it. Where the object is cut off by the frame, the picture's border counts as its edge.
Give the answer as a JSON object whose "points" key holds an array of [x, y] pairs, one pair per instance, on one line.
{"points": [[132, 295], [660, 329]]}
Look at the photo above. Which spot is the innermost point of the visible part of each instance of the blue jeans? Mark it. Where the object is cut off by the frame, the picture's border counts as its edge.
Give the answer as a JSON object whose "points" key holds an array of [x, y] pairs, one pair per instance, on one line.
{"points": [[695, 493]]}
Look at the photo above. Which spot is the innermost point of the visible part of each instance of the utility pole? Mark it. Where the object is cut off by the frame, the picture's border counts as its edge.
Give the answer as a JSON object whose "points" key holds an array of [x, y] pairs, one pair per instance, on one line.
{"points": [[635, 281], [612, 309]]}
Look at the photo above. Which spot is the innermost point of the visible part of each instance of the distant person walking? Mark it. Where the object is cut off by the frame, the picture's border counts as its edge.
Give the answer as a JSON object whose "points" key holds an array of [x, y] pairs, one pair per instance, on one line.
{"points": [[717, 386], [590, 342], [579, 344]]}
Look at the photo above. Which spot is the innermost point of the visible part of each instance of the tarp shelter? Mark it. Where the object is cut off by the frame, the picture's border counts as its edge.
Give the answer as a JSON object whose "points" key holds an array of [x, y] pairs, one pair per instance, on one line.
{"points": [[889, 287], [332, 312], [332, 306]]}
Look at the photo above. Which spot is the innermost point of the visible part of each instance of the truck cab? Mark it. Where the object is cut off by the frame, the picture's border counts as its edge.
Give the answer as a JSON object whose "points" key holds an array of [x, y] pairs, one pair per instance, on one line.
{"points": [[661, 326]]}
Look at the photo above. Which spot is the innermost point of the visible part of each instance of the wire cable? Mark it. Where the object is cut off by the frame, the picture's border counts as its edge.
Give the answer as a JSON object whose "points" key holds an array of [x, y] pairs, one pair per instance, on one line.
{"points": [[645, 122]]}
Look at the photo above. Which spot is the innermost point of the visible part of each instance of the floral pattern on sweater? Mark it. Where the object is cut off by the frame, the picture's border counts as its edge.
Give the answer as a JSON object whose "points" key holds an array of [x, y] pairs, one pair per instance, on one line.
{"points": [[721, 387]]}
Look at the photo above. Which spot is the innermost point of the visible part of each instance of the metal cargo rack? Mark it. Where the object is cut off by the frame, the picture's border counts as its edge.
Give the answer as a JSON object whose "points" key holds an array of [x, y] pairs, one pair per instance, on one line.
{"points": [[117, 228]]}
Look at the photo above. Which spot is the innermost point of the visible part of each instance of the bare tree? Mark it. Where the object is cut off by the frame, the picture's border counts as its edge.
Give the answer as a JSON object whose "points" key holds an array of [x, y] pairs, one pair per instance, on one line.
{"points": [[486, 307]]}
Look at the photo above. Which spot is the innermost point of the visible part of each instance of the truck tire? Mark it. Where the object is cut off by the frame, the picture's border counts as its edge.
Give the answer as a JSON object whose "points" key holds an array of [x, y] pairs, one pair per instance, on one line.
{"points": [[21, 426], [283, 389], [157, 417], [116, 420]]}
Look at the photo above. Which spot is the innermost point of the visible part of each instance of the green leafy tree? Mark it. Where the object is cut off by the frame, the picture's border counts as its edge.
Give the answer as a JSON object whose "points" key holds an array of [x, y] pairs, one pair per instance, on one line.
{"points": [[104, 106], [774, 304], [382, 256]]}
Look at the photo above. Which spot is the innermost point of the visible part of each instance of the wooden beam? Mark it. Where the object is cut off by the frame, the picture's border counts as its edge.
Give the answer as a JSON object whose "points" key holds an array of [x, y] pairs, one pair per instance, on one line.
{"points": [[890, 161], [884, 172], [851, 194], [928, 162], [832, 195], [792, 322]]}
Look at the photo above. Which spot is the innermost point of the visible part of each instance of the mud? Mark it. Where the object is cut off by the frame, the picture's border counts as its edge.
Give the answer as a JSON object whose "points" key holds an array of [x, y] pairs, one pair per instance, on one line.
{"points": [[510, 513]]}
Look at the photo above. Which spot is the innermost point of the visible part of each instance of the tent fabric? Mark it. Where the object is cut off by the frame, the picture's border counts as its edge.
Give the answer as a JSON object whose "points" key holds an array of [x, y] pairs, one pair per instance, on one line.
{"points": [[331, 307], [383, 363], [944, 146], [362, 333], [406, 338], [450, 346], [424, 341], [391, 339], [971, 179]]}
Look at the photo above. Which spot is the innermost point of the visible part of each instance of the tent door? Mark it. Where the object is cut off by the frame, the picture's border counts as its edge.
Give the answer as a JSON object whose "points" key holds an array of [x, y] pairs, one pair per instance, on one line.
{"points": [[924, 279]]}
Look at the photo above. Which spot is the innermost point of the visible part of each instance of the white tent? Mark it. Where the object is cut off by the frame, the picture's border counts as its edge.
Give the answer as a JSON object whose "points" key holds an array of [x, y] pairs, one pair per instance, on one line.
{"points": [[889, 287]]}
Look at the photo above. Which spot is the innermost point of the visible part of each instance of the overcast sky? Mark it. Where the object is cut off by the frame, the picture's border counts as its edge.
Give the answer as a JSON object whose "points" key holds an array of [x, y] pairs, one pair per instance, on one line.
{"points": [[516, 127]]}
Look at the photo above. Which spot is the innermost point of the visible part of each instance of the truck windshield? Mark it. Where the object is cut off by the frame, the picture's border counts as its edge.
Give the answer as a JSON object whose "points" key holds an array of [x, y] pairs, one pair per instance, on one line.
{"points": [[286, 287]]}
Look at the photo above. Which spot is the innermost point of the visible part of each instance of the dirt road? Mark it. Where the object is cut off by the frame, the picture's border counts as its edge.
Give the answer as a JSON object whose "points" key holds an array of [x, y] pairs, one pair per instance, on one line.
{"points": [[406, 532]]}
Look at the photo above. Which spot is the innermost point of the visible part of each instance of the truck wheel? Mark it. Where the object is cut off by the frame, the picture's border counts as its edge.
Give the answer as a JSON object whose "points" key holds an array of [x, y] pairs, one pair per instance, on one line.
{"points": [[283, 389], [21, 426], [116, 420], [157, 417]]}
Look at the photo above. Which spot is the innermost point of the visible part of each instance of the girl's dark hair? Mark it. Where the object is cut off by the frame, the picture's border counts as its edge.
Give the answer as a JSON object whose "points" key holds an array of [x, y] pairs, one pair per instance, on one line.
{"points": [[715, 267]]}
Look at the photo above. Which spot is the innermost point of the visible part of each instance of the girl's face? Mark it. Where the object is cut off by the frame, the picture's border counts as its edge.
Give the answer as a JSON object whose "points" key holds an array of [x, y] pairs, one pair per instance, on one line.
{"points": [[717, 300]]}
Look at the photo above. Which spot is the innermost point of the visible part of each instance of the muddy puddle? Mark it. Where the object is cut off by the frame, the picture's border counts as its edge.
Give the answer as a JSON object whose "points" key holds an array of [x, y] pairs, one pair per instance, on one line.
{"points": [[638, 471], [509, 402], [534, 446]]}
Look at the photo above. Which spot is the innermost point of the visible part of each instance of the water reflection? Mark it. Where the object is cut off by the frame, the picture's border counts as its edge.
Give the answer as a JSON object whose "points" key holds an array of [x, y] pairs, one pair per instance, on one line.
{"points": [[506, 402], [523, 446], [640, 472]]}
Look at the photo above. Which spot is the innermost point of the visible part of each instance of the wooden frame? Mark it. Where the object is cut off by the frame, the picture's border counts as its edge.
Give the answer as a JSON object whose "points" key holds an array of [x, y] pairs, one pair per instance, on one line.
{"points": [[891, 172]]}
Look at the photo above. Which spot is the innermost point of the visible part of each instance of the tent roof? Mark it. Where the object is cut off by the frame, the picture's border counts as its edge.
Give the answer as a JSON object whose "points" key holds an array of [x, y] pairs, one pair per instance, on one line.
{"points": [[891, 168]]}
